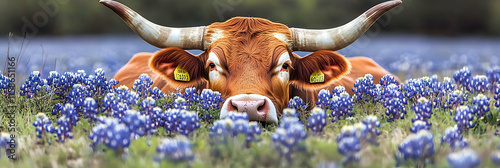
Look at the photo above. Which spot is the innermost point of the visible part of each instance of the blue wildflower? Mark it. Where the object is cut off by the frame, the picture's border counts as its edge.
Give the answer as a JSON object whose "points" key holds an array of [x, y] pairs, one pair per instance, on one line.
{"points": [[452, 136], [142, 85], [364, 89], [479, 84], [464, 118], [464, 158], [481, 105], [32, 85], [349, 147], [297, 103], [171, 118], [90, 110], [9, 144], [324, 99], [386, 80], [463, 77], [419, 125], [288, 135], [210, 100], [371, 122], [495, 157], [188, 122], [418, 146], [455, 99], [341, 106], [497, 96], [110, 133], [176, 150], [181, 104], [5, 85], [136, 123], [395, 103], [317, 120], [43, 125], [423, 111], [64, 129]]}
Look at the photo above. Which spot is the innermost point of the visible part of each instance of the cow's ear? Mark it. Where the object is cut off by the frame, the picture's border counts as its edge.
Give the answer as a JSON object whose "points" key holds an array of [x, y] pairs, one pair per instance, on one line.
{"points": [[179, 68], [318, 69]]}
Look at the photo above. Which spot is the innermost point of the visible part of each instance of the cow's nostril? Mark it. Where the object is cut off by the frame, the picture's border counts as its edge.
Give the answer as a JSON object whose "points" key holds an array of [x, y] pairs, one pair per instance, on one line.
{"points": [[262, 107]]}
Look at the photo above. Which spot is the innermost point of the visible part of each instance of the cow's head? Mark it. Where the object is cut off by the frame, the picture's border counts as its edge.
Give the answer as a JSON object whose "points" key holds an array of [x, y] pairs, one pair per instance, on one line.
{"points": [[250, 60]]}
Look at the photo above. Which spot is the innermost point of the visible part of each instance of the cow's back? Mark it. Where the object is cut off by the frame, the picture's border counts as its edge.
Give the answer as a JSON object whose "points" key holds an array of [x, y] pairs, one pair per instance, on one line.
{"points": [[360, 67], [138, 65]]}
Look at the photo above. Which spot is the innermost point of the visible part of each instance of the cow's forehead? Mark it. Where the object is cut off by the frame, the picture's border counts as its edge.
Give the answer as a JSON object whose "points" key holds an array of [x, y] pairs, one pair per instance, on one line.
{"points": [[248, 41]]}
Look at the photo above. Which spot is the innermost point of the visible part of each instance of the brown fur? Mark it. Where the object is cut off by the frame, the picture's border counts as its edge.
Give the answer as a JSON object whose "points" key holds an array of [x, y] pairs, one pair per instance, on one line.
{"points": [[248, 54]]}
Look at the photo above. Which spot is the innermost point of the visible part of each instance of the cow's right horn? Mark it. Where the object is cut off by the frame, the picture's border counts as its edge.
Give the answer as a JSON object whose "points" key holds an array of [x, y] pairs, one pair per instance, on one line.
{"points": [[339, 37], [159, 36]]}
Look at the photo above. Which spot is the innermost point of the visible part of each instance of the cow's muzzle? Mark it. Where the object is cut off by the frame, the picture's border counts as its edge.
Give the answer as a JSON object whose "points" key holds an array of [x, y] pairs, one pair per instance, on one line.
{"points": [[258, 107]]}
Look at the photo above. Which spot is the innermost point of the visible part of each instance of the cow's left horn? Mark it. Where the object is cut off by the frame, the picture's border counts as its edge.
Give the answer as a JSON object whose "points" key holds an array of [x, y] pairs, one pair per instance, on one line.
{"points": [[339, 37], [159, 36]]}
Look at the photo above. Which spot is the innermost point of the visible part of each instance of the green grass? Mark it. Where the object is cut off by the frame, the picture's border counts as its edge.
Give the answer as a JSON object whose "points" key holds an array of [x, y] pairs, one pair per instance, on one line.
{"points": [[319, 149]]}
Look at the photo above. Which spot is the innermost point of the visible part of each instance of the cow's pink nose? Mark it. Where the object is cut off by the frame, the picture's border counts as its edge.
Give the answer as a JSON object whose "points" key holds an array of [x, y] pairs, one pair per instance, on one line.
{"points": [[256, 109]]}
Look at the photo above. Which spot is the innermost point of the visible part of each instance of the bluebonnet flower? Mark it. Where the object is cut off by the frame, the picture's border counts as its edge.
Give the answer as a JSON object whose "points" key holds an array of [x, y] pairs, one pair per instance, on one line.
{"points": [[371, 122], [394, 101], [64, 129], [70, 112], [190, 95], [288, 135], [386, 80], [493, 77], [495, 158], [181, 104], [497, 96], [363, 89], [147, 105], [452, 136], [455, 99], [317, 120], [289, 112], [57, 109], [297, 103], [112, 85], [156, 93], [233, 125], [481, 105], [90, 110], [237, 116], [423, 111], [357, 130], [210, 100], [448, 86], [188, 122], [142, 85], [32, 85], [110, 133], [9, 144], [77, 95], [324, 99], [171, 117], [124, 95], [464, 118], [176, 150], [341, 106], [338, 90], [222, 130], [349, 147], [419, 125], [80, 76], [5, 84], [464, 158], [419, 146], [43, 125], [136, 123], [463, 77], [478, 84]]}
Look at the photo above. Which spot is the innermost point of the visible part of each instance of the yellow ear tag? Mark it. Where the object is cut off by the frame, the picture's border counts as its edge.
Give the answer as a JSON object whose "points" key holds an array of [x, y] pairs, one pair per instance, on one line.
{"points": [[317, 77], [181, 74]]}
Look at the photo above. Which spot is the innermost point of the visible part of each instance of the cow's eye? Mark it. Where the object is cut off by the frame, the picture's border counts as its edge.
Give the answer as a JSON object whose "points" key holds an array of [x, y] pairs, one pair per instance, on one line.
{"points": [[285, 66], [212, 65]]}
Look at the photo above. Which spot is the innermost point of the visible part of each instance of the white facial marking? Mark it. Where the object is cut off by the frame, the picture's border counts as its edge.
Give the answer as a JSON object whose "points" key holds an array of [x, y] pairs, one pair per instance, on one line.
{"points": [[283, 75], [214, 75]]}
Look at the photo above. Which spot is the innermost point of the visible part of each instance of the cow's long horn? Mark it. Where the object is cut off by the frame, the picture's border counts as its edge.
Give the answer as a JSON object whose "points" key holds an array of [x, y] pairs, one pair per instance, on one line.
{"points": [[339, 37], [159, 36]]}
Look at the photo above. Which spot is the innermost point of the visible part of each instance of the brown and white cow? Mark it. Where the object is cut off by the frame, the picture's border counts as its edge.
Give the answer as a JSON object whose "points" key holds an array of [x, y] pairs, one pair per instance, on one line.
{"points": [[250, 60]]}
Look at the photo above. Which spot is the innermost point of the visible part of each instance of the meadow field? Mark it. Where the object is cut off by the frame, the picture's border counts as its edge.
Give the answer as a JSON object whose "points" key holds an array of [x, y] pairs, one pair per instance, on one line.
{"points": [[83, 118]]}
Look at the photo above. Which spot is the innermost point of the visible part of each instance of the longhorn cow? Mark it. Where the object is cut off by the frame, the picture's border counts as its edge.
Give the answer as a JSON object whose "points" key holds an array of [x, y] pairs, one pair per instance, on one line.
{"points": [[250, 61]]}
